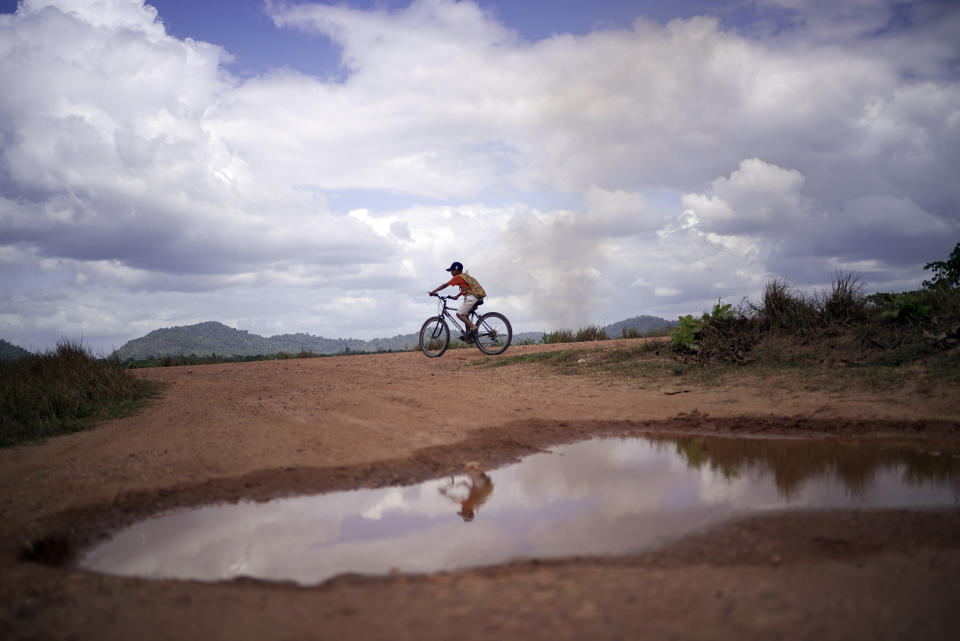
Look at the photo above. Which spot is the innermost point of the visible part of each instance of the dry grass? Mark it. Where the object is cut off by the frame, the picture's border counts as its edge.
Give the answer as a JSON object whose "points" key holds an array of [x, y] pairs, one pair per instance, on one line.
{"points": [[837, 338], [64, 391]]}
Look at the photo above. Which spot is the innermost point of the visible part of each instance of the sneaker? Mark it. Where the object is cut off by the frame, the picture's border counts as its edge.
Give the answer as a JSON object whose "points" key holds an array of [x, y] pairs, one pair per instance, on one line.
{"points": [[472, 333], [464, 338]]}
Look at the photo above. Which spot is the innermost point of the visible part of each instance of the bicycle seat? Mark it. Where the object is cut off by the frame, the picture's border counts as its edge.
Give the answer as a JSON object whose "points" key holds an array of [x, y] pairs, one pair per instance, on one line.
{"points": [[479, 303]]}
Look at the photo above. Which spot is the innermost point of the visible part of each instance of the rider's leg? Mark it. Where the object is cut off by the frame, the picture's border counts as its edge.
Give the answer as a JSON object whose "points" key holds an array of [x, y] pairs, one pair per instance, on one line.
{"points": [[463, 313], [466, 321]]}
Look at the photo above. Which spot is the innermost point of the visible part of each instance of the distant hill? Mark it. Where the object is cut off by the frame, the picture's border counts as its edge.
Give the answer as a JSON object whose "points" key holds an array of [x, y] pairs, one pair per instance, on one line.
{"points": [[204, 339], [639, 323], [211, 337], [520, 337], [9, 351]]}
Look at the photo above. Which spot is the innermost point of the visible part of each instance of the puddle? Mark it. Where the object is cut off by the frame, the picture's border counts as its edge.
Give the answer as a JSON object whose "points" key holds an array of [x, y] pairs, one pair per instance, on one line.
{"points": [[604, 496]]}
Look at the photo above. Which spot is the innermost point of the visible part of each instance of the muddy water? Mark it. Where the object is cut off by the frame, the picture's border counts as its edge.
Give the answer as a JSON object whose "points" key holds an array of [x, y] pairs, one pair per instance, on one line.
{"points": [[604, 496]]}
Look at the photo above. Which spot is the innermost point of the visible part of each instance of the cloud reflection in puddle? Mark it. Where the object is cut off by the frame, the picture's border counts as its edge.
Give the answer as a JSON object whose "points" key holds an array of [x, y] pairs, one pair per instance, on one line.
{"points": [[604, 496]]}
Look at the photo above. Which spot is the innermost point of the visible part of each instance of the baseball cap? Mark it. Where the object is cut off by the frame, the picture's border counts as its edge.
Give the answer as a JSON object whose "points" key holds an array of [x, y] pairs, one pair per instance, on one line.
{"points": [[455, 265]]}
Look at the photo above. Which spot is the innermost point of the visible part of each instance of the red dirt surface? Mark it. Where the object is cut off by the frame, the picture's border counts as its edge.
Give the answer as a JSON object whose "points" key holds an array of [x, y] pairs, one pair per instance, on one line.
{"points": [[266, 429]]}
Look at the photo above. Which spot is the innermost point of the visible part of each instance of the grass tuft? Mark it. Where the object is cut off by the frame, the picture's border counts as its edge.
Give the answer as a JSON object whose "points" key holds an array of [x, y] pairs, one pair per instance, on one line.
{"points": [[64, 391], [582, 335]]}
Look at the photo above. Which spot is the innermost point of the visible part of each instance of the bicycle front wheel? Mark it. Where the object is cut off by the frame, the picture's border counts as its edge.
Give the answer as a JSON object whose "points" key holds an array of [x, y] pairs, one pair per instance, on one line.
{"points": [[493, 333], [434, 337]]}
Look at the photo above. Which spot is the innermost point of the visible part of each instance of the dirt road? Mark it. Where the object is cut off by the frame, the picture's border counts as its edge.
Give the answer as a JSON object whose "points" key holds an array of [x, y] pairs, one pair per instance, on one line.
{"points": [[266, 429]]}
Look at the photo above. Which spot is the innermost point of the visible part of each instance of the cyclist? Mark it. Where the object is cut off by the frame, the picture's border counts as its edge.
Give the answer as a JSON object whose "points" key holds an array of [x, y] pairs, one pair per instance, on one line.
{"points": [[472, 294]]}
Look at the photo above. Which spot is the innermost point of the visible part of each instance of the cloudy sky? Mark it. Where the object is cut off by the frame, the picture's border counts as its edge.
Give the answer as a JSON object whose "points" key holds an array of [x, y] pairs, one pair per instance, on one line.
{"points": [[314, 167]]}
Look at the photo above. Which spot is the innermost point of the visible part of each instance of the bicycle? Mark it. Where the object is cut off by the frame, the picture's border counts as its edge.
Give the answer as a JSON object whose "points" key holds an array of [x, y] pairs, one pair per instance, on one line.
{"points": [[493, 330]]}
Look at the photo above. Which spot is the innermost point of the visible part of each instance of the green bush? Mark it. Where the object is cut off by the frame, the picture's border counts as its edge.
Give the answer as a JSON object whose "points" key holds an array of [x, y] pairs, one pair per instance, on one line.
{"points": [[945, 272], [686, 332], [720, 312], [905, 307]]}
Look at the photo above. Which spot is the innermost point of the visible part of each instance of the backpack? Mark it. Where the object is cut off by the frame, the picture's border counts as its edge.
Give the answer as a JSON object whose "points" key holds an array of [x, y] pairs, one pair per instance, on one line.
{"points": [[475, 287]]}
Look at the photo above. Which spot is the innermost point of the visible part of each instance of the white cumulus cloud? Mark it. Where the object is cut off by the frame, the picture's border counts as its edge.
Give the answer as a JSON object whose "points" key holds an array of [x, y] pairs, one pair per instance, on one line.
{"points": [[644, 168]]}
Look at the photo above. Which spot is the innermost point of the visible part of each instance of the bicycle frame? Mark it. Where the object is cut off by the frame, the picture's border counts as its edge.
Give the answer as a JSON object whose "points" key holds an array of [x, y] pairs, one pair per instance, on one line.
{"points": [[446, 312]]}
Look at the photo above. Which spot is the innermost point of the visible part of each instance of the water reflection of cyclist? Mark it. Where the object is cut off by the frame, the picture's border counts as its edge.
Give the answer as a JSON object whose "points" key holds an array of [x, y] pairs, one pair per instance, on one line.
{"points": [[479, 488], [471, 291]]}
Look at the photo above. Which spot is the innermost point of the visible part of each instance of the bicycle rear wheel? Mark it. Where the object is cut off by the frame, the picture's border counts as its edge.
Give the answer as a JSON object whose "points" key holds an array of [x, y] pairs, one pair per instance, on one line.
{"points": [[493, 333], [434, 337]]}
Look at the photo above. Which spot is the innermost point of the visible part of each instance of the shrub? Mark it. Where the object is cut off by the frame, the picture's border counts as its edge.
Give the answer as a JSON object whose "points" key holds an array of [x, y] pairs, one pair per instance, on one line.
{"points": [[845, 304], [686, 332], [840, 324], [63, 391], [778, 303], [557, 336], [726, 333], [784, 311], [905, 307], [590, 333], [945, 272], [720, 312], [945, 301]]}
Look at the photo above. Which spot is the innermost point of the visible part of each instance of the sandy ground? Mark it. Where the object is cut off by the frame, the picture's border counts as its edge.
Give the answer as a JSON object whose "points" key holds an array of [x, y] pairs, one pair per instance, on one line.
{"points": [[260, 430]]}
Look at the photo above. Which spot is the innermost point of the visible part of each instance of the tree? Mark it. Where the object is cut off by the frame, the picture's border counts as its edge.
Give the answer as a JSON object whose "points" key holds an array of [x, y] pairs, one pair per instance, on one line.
{"points": [[945, 271]]}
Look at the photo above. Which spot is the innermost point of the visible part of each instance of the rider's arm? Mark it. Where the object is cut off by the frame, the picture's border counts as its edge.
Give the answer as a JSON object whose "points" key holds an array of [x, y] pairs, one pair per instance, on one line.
{"points": [[444, 286]]}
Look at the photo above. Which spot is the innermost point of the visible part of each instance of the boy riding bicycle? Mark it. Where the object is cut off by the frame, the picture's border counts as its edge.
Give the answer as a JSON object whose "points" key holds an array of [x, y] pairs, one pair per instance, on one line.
{"points": [[472, 294]]}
